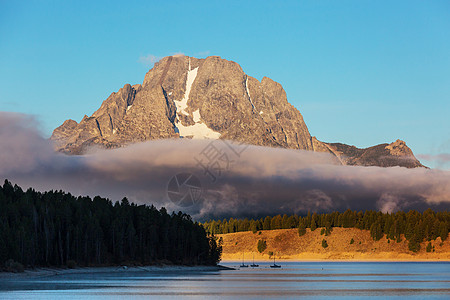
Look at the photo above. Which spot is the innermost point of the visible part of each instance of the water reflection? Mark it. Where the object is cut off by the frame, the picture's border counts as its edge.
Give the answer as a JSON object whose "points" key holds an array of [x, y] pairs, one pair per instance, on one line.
{"points": [[311, 280]]}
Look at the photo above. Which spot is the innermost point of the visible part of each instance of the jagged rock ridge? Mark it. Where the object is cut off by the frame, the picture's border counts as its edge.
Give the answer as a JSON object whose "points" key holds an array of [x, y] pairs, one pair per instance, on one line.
{"points": [[208, 98], [383, 155]]}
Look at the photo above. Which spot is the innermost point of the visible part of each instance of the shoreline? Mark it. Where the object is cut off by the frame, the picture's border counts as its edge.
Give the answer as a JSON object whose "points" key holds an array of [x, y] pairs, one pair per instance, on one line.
{"points": [[45, 272]]}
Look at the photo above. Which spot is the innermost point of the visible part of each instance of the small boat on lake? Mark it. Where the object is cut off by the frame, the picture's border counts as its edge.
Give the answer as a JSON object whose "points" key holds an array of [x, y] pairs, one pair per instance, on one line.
{"points": [[253, 265], [243, 265], [274, 264]]}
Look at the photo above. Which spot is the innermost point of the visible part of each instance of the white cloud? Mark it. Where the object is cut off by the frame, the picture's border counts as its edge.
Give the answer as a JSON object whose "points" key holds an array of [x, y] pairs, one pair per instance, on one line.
{"points": [[149, 59], [441, 160], [203, 53], [178, 54]]}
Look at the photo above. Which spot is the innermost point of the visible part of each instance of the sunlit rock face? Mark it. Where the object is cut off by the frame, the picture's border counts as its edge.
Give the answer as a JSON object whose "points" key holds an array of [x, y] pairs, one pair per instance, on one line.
{"points": [[191, 98], [212, 98], [383, 155]]}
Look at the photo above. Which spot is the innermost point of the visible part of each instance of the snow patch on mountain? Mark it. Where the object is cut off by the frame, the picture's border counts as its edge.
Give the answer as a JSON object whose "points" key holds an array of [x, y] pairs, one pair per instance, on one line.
{"points": [[248, 92], [182, 104], [199, 130], [196, 115]]}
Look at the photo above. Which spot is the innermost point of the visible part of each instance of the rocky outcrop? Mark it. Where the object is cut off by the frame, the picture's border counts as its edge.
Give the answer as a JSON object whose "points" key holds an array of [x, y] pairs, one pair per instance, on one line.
{"points": [[131, 115], [383, 155], [186, 97]]}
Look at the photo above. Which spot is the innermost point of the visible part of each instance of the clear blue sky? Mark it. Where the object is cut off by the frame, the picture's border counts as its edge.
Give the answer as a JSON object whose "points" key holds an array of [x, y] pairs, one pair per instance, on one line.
{"points": [[360, 72]]}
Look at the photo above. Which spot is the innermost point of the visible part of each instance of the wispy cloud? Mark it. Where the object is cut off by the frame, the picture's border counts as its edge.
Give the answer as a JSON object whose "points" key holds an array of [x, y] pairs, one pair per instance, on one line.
{"points": [[441, 160], [261, 180], [178, 54], [203, 53], [149, 60], [10, 103]]}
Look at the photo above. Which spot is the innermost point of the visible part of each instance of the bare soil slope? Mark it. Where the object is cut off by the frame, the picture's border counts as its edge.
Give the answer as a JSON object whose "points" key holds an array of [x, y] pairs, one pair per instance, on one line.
{"points": [[286, 244]]}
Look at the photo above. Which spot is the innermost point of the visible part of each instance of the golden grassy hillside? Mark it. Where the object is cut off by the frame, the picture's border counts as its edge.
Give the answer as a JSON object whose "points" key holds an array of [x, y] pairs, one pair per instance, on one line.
{"points": [[286, 244]]}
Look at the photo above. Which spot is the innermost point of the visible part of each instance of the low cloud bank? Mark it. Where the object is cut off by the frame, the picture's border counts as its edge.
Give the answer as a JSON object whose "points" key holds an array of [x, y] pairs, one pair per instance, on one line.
{"points": [[236, 180]]}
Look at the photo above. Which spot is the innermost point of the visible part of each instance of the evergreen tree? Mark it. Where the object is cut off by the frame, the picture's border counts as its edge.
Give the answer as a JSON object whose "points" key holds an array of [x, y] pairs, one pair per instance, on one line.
{"points": [[429, 247], [301, 228], [262, 245], [276, 222], [308, 219], [267, 223], [292, 222], [253, 226], [375, 231], [328, 228], [313, 222], [443, 231]]}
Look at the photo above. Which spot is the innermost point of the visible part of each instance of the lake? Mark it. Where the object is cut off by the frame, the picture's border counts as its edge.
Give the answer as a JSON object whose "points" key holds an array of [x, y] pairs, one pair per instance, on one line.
{"points": [[318, 280]]}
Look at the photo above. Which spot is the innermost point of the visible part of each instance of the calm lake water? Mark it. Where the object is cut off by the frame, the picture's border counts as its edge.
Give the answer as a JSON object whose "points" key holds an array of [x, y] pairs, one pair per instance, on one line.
{"points": [[338, 280]]}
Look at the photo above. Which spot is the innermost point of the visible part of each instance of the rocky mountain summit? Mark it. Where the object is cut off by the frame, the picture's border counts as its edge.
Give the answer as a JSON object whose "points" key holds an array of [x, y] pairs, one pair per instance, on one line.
{"points": [[383, 155], [212, 98]]}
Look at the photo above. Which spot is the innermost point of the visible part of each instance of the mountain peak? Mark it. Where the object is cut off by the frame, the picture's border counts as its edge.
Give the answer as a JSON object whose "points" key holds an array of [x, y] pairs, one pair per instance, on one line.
{"points": [[187, 97], [399, 148]]}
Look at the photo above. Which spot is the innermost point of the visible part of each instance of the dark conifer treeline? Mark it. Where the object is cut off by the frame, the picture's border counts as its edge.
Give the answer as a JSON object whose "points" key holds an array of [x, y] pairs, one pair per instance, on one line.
{"points": [[413, 225], [54, 228]]}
